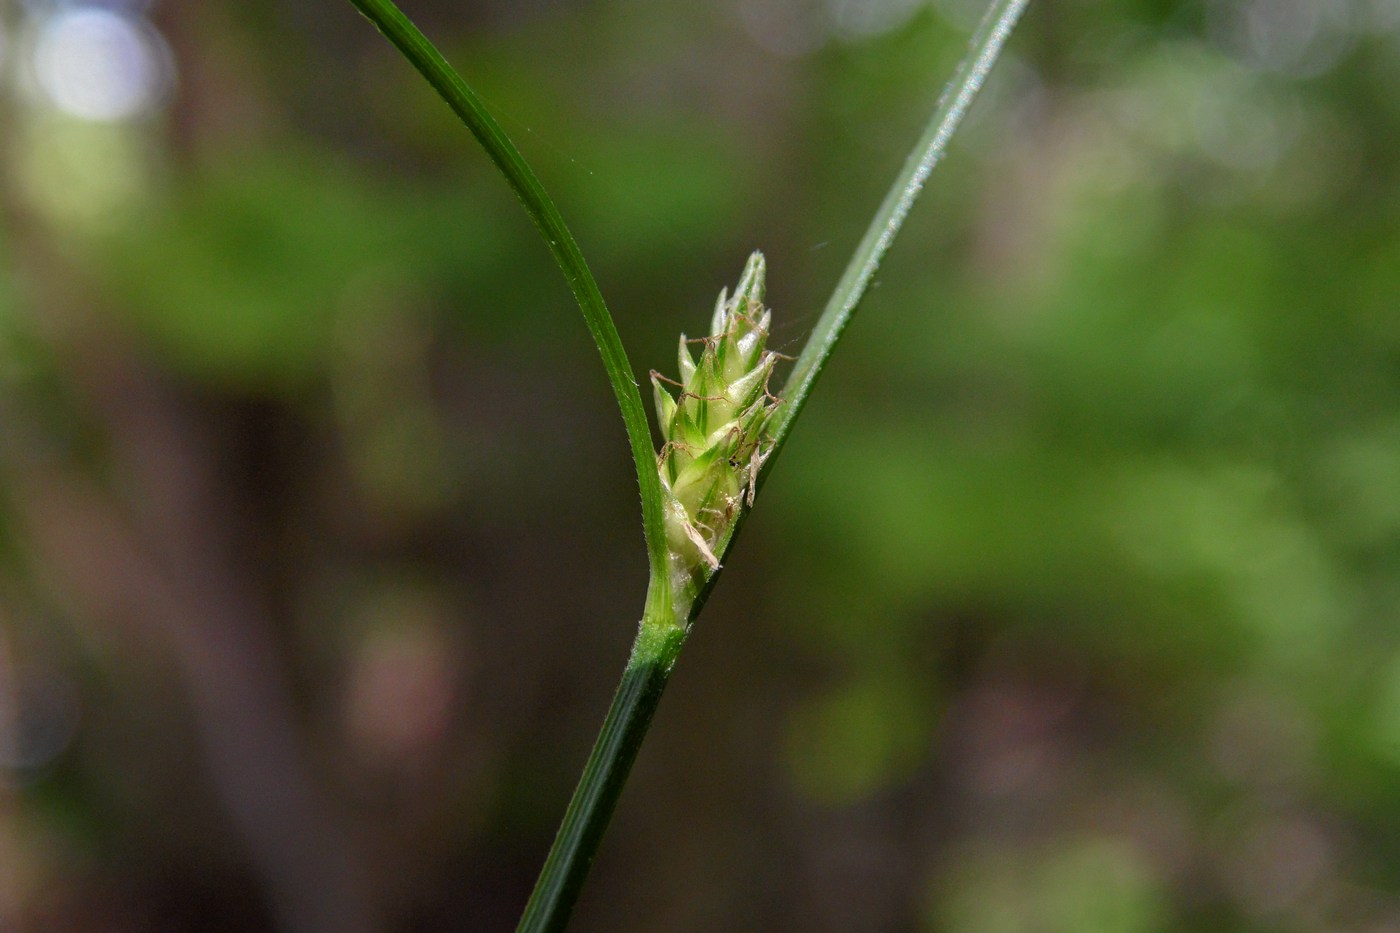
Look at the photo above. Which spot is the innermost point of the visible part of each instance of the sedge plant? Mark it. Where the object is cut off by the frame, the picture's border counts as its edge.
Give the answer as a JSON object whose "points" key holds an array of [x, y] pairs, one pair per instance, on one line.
{"points": [[722, 424]]}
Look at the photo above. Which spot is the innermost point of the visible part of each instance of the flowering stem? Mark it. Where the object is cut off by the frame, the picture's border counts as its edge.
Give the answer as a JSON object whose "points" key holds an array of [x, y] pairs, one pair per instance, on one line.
{"points": [[665, 624], [646, 675]]}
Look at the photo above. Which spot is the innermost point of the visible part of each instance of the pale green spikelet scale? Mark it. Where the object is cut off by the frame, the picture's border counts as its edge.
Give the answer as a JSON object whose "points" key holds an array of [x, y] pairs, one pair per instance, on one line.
{"points": [[715, 429]]}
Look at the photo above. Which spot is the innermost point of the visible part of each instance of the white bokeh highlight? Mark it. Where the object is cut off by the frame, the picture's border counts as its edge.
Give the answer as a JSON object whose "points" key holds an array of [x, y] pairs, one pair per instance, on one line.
{"points": [[98, 64]]}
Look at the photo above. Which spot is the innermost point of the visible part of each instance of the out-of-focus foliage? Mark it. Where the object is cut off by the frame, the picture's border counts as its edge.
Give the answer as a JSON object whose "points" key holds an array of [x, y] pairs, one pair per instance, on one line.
{"points": [[1074, 604]]}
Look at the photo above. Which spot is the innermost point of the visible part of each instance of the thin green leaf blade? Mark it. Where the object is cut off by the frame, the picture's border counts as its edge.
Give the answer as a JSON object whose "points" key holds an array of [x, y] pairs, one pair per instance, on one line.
{"points": [[421, 53], [984, 48]]}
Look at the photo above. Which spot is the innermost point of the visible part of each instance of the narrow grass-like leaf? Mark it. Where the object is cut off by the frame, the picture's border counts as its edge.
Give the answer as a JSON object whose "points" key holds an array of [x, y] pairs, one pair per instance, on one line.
{"points": [[430, 63], [983, 50]]}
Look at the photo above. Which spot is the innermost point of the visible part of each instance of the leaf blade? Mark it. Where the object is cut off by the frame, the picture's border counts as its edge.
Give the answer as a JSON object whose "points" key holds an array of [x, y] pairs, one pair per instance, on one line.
{"points": [[458, 95]]}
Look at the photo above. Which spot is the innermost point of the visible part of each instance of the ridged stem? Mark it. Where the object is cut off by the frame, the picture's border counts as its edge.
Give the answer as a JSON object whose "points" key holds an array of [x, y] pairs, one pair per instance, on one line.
{"points": [[605, 774]]}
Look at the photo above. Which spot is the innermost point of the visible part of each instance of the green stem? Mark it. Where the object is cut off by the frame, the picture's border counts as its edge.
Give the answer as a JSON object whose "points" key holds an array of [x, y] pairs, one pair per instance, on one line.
{"points": [[595, 799], [429, 62]]}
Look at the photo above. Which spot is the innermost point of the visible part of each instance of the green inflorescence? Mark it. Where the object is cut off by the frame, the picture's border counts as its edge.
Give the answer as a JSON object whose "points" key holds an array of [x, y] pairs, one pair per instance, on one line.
{"points": [[715, 430]]}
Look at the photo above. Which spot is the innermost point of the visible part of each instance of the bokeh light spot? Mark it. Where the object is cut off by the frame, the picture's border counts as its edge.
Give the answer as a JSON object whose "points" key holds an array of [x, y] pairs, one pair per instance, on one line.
{"points": [[1303, 38], [97, 64], [858, 19]]}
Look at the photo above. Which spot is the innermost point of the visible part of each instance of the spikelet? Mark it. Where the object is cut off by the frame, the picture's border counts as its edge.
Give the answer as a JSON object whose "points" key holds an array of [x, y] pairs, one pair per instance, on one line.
{"points": [[715, 429]]}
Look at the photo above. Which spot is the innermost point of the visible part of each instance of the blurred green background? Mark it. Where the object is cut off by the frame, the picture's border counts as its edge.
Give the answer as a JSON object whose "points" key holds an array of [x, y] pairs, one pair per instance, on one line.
{"points": [[1074, 604]]}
